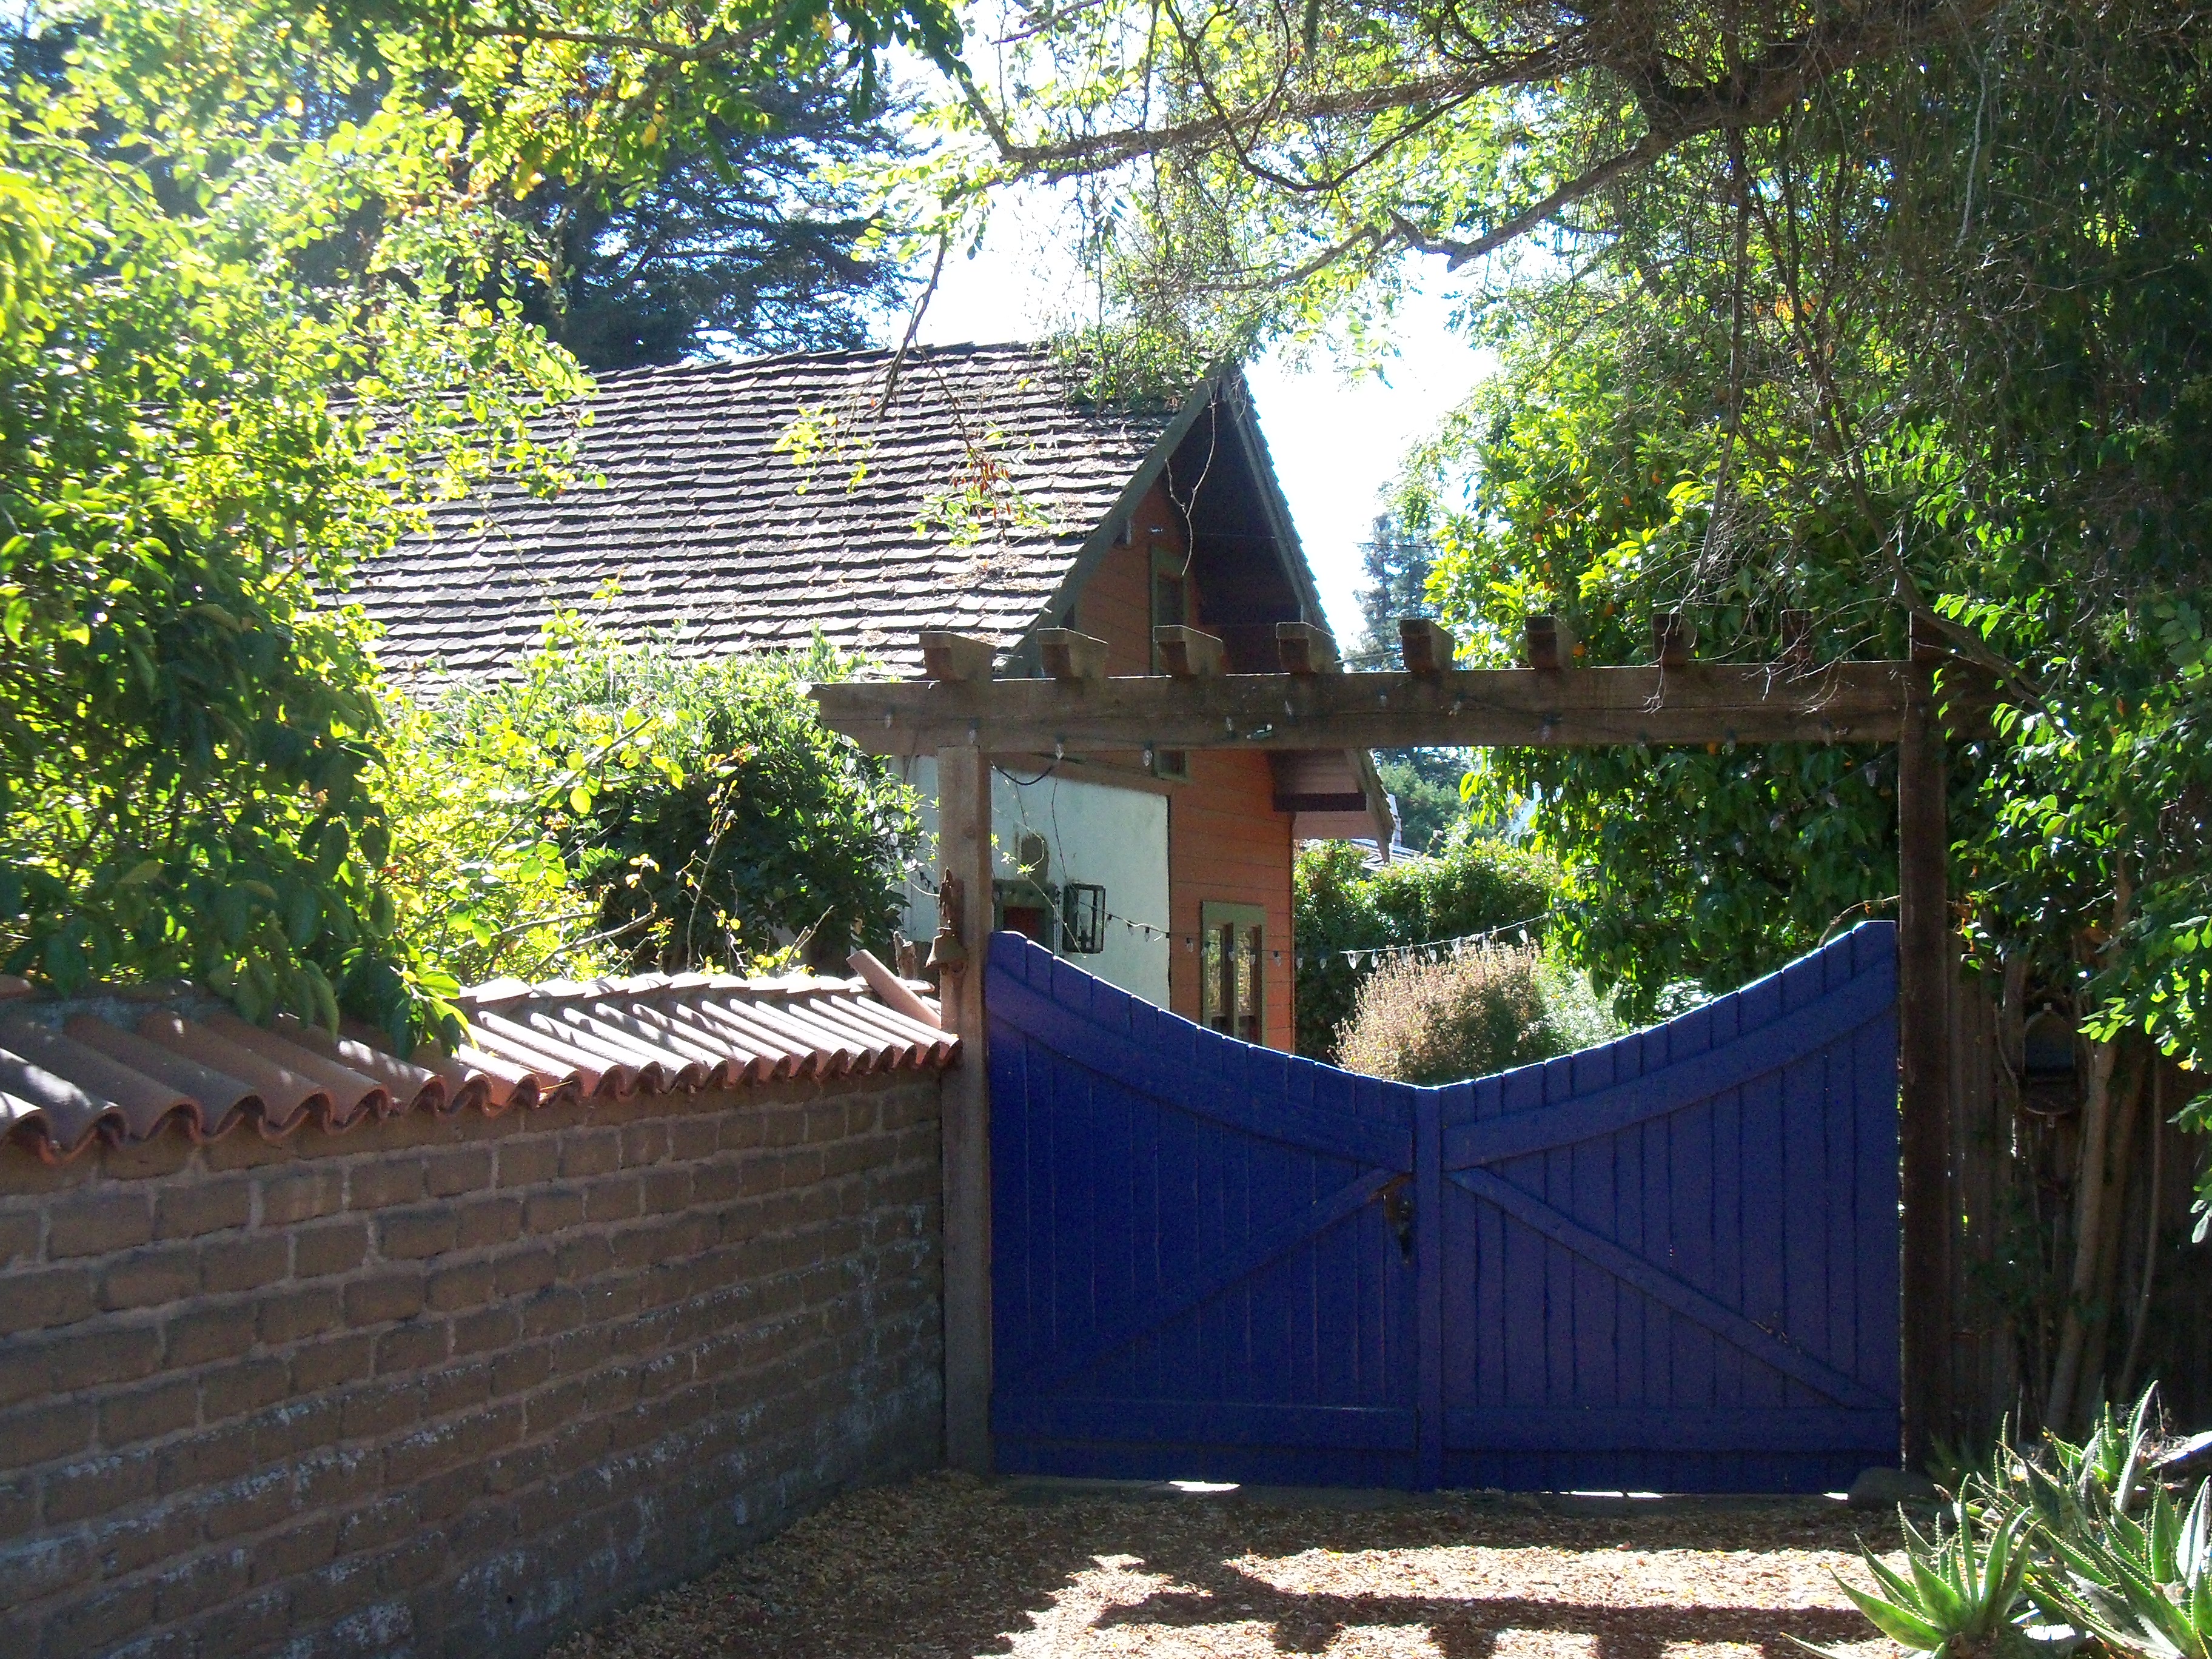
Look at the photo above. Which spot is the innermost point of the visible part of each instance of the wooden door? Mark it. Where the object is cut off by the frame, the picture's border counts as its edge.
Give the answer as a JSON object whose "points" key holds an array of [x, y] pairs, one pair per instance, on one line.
{"points": [[1670, 1263], [1196, 1269]]}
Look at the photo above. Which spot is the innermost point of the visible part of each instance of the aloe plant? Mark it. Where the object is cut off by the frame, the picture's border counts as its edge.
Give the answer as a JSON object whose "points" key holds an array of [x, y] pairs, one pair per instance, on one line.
{"points": [[2143, 1587], [1954, 1600], [2084, 1546]]}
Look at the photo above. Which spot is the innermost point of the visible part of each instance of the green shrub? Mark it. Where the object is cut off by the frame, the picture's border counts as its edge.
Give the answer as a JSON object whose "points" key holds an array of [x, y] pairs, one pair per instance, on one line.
{"points": [[1470, 884], [1484, 1010], [611, 805]]}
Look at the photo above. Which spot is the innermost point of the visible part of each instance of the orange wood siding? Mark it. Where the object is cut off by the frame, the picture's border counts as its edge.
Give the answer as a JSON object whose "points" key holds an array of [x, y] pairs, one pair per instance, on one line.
{"points": [[1226, 842], [1116, 605]]}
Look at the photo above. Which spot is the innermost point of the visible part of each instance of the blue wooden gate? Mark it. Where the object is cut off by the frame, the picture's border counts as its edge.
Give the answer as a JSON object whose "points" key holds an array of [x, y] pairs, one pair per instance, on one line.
{"points": [[1668, 1263]]}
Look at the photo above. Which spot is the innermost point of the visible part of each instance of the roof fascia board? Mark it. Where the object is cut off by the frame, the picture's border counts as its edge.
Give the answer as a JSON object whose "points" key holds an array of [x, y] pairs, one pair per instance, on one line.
{"points": [[1292, 553], [1092, 553]]}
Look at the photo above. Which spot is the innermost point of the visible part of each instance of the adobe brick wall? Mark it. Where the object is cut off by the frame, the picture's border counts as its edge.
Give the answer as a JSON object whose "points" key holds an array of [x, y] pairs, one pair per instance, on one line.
{"points": [[452, 1386]]}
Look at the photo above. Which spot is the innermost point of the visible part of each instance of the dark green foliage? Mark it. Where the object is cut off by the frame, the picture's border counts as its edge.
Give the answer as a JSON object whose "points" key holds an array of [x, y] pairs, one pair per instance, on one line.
{"points": [[260, 270], [1951, 345], [712, 819], [1339, 904], [745, 242], [183, 727], [1424, 782]]}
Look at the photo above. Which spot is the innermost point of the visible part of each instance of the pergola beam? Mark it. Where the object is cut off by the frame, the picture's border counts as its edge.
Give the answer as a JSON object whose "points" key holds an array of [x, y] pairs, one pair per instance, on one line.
{"points": [[1513, 708], [965, 717]]}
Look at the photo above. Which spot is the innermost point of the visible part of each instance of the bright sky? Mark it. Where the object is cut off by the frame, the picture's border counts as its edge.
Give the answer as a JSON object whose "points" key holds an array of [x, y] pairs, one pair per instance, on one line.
{"points": [[1337, 443]]}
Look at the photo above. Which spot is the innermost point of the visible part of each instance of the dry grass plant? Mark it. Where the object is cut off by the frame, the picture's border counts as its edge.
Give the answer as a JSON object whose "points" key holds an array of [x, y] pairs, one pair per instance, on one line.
{"points": [[1417, 1021]]}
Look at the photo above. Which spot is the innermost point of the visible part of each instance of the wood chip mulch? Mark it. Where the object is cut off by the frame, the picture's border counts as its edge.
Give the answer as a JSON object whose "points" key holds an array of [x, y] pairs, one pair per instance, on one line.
{"points": [[945, 1567]]}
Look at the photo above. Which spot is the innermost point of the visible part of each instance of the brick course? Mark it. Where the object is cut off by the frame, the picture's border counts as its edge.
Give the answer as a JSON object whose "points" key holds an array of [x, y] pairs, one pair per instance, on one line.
{"points": [[454, 1385]]}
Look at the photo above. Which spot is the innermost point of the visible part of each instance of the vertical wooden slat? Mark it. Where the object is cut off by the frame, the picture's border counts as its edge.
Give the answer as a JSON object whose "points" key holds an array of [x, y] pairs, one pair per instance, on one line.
{"points": [[1429, 1266], [964, 843], [1923, 973]]}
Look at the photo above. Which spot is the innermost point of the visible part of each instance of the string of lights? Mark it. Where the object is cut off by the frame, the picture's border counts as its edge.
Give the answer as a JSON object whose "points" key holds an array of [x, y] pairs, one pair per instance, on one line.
{"points": [[1431, 951]]}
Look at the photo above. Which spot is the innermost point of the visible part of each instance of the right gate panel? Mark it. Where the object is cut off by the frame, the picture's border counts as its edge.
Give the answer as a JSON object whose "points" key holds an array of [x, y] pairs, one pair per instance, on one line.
{"points": [[1670, 1264]]}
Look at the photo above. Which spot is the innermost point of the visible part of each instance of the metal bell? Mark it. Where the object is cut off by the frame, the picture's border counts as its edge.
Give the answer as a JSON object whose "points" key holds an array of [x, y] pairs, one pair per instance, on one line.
{"points": [[946, 950]]}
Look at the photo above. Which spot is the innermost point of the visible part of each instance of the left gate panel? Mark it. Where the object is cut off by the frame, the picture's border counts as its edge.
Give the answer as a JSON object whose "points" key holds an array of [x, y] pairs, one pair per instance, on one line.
{"points": [[1196, 1269]]}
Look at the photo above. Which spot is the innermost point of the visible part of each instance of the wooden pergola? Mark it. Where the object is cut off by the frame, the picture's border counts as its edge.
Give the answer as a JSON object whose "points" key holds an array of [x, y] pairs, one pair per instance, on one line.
{"points": [[970, 720]]}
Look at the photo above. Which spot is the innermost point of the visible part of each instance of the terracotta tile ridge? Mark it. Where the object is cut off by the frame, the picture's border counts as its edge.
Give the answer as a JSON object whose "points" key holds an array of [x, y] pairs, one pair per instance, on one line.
{"points": [[794, 1057], [734, 1064], [504, 1083], [282, 1049], [608, 1023], [143, 1103], [286, 1097], [51, 1113], [200, 1085], [780, 1055], [641, 1022], [838, 1052], [819, 1054], [410, 1087], [518, 1044], [879, 1049], [629, 1067], [929, 1044]]}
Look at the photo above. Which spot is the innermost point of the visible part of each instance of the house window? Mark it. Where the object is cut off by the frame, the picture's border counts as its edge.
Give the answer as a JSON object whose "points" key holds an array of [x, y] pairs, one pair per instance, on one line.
{"points": [[1171, 593], [1027, 908], [1231, 996]]}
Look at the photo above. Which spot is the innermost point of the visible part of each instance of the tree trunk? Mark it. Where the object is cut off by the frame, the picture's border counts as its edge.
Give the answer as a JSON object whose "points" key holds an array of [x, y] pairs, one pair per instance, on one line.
{"points": [[2141, 1326], [2119, 1172], [2088, 1234], [2089, 1203]]}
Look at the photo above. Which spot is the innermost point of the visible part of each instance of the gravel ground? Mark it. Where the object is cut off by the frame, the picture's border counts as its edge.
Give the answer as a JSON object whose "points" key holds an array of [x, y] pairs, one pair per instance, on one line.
{"points": [[945, 1567]]}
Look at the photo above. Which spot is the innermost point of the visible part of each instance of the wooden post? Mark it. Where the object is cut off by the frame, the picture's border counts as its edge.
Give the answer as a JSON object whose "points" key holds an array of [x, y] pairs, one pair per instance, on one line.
{"points": [[964, 849], [1924, 1002]]}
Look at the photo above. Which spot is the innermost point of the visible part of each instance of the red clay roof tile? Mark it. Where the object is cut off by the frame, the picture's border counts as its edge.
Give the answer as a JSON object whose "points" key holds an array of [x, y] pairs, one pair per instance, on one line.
{"points": [[69, 1075]]}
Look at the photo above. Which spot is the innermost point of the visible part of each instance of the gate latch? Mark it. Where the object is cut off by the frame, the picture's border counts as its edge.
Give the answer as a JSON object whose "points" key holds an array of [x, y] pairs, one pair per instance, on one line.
{"points": [[1397, 1196]]}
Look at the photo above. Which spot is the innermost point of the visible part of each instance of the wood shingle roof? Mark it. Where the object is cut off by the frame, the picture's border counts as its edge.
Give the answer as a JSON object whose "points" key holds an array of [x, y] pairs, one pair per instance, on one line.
{"points": [[756, 501]]}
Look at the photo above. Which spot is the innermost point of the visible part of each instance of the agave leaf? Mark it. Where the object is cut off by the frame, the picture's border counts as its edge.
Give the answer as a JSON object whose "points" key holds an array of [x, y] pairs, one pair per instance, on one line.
{"points": [[1899, 1624], [2123, 1489], [1886, 1576], [2080, 1555], [2192, 1548], [2051, 1502], [2006, 1561], [1938, 1597], [2162, 1537]]}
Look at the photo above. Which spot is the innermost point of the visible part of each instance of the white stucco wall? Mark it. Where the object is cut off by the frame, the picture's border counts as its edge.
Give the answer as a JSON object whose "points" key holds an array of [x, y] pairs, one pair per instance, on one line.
{"points": [[1115, 837]]}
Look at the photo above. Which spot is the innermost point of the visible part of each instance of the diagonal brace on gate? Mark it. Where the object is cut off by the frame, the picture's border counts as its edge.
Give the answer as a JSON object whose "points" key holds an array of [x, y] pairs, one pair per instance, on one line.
{"points": [[1174, 1300], [1769, 1347], [1770, 1046]]}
